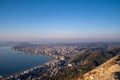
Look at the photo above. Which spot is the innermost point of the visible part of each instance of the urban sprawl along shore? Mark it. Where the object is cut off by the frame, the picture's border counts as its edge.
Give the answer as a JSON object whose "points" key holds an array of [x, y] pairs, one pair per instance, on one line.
{"points": [[59, 55], [65, 58]]}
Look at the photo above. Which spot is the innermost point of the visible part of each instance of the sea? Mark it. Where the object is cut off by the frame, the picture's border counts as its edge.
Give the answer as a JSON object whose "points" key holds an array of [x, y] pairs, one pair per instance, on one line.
{"points": [[12, 62]]}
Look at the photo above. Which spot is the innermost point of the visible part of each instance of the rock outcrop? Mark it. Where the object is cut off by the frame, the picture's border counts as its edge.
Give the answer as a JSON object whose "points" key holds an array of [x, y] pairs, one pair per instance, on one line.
{"points": [[110, 70]]}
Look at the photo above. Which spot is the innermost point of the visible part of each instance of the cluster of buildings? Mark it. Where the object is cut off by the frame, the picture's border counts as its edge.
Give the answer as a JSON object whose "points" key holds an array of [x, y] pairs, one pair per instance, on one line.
{"points": [[56, 52], [61, 55], [37, 73], [49, 69]]}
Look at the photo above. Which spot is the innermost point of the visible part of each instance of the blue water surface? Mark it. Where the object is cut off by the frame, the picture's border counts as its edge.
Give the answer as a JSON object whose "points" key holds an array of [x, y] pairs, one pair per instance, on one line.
{"points": [[15, 61]]}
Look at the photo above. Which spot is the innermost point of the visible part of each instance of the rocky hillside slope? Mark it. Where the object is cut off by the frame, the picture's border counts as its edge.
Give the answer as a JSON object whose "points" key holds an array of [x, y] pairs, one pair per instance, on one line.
{"points": [[110, 70]]}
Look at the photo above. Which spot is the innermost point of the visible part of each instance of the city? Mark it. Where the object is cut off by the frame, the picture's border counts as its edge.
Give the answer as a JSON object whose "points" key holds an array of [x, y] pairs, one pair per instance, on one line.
{"points": [[64, 56]]}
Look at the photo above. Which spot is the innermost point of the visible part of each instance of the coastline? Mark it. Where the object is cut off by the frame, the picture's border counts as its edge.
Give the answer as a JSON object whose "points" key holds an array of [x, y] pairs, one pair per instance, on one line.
{"points": [[78, 59], [37, 69], [26, 69], [13, 62]]}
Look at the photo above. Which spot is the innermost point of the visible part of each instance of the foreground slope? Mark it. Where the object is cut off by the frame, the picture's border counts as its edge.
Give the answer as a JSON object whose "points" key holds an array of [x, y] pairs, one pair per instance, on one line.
{"points": [[110, 70]]}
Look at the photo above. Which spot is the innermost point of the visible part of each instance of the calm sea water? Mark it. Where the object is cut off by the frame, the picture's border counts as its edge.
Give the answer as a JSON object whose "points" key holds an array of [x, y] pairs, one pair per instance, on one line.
{"points": [[15, 61]]}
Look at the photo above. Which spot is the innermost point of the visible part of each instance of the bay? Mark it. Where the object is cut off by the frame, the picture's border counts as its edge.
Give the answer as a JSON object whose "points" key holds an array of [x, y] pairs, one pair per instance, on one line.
{"points": [[15, 61]]}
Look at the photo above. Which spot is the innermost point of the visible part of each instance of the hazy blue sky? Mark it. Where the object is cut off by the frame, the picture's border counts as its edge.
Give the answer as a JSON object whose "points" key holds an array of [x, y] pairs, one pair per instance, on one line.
{"points": [[60, 19]]}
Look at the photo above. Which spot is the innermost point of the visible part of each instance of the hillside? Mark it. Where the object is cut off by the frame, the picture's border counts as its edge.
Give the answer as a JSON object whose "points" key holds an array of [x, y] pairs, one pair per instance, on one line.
{"points": [[84, 62], [110, 70]]}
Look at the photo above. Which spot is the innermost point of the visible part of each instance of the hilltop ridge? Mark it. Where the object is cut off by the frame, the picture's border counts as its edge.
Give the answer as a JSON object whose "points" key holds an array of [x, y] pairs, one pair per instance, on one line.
{"points": [[110, 70]]}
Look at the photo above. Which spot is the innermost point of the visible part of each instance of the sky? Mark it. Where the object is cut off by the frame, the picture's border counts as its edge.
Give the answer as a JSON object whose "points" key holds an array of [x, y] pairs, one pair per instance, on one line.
{"points": [[39, 20]]}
